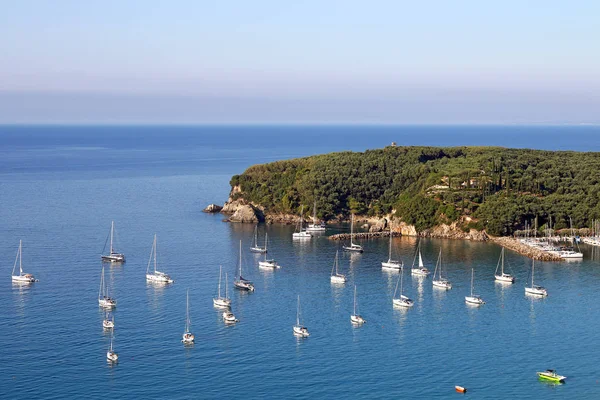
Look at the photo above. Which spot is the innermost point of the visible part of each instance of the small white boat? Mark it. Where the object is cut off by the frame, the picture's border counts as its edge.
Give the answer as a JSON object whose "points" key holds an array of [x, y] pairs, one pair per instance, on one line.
{"points": [[301, 233], [255, 248], [187, 337], [240, 282], [229, 318], [315, 227], [402, 301], [113, 255], [222, 302], [473, 298], [390, 263], [156, 276], [357, 248], [336, 277], [22, 277], [420, 270], [440, 282], [111, 356], [108, 322], [355, 318], [502, 276], [299, 329], [535, 290], [104, 299], [268, 262]]}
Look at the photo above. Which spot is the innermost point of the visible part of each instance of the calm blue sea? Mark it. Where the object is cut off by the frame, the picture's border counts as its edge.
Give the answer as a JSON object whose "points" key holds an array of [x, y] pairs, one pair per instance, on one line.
{"points": [[60, 187]]}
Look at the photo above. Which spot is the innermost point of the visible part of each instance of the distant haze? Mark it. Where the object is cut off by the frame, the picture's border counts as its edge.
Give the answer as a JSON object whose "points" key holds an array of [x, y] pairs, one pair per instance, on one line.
{"points": [[380, 62]]}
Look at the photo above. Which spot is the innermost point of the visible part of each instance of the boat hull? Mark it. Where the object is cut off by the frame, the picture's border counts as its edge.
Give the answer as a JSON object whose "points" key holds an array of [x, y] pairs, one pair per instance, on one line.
{"points": [[258, 250], [354, 249], [222, 303], [229, 318], [536, 292], [474, 300], [114, 258], [27, 278], [107, 303], [300, 331], [551, 377], [112, 356], [505, 278], [338, 279], [403, 303], [301, 235], [108, 324], [269, 264], [246, 286], [391, 265], [159, 278], [188, 338], [420, 271], [442, 285], [357, 319]]}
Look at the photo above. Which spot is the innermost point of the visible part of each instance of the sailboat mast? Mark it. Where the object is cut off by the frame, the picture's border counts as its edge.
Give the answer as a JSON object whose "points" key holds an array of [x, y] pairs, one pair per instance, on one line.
{"points": [[472, 272], [187, 311], [315, 213], [240, 259], [154, 253], [112, 229], [532, 271], [20, 257], [219, 289], [401, 282], [298, 312], [266, 239], [351, 229], [390, 250], [354, 299], [100, 291], [225, 286]]}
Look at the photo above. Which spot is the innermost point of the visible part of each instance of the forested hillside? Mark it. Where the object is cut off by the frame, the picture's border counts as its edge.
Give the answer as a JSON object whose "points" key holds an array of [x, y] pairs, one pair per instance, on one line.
{"points": [[498, 189]]}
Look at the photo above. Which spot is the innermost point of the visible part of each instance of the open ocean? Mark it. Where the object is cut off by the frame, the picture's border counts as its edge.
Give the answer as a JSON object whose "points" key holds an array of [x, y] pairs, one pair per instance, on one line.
{"points": [[60, 187]]}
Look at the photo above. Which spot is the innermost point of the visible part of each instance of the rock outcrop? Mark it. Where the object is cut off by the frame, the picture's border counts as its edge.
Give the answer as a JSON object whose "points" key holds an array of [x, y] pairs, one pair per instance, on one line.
{"points": [[246, 213], [381, 225], [212, 208]]}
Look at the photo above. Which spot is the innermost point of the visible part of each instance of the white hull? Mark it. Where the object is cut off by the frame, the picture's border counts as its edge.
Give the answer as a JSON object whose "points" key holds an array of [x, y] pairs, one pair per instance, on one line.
{"points": [[269, 264], [505, 278], [27, 278], [474, 300], [242, 285], [229, 318], [222, 302], [443, 284], [536, 291], [420, 271], [338, 278], [116, 258], [568, 254], [112, 356], [403, 302], [355, 248], [258, 250], [106, 324], [188, 338], [300, 331], [315, 228], [107, 303], [357, 319], [391, 265], [159, 277], [301, 235]]}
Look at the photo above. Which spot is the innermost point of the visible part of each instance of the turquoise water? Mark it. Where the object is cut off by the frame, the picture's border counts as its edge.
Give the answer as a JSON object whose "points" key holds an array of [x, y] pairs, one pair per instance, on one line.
{"points": [[61, 187]]}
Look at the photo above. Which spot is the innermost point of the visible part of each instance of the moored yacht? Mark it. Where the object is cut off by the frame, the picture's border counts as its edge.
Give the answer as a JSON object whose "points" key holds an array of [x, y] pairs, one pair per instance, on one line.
{"points": [[301, 233], [240, 282], [268, 262], [187, 337], [502, 276], [22, 277], [315, 227], [299, 329], [473, 298], [104, 299], [390, 263], [535, 290], [440, 282], [336, 277], [222, 302], [229, 318], [357, 248], [356, 318], [111, 355], [113, 255], [255, 248], [402, 301], [108, 322], [156, 276], [420, 268]]}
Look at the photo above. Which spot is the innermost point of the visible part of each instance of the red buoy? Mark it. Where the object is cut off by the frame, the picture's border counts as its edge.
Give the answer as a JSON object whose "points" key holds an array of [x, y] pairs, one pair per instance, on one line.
{"points": [[460, 389]]}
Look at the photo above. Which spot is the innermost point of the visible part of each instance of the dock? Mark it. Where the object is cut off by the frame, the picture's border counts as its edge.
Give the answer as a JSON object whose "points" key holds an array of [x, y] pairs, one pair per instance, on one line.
{"points": [[523, 249]]}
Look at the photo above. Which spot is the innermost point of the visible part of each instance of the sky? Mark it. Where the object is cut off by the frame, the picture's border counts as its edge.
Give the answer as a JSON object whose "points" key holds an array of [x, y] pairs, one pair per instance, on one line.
{"points": [[321, 62]]}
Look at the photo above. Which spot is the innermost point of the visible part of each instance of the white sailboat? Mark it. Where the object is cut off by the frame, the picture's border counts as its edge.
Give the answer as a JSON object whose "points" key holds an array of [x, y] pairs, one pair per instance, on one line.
{"points": [[420, 269], [240, 282], [299, 329], [268, 262], [156, 276], [535, 290], [222, 302], [502, 276], [314, 227], [111, 356], [301, 233], [108, 322], [355, 318], [187, 337], [104, 299], [113, 255], [255, 248], [353, 246], [22, 277], [390, 263], [336, 277], [473, 298], [402, 301], [229, 318], [440, 282]]}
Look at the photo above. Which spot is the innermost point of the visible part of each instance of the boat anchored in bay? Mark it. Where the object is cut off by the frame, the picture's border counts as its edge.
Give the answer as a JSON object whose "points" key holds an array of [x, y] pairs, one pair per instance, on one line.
{"points": [[113, 255], [357, 248], [222, 302], [390, 263], [156, 276], [535, 290], [402, 301], [473, 298], [440, 282], [356, 318], [187, 337], [301, 233], [420, 269], [241, 283], [502, 276], [22, 277], [336, 277], [299, 329], [104, 299]]}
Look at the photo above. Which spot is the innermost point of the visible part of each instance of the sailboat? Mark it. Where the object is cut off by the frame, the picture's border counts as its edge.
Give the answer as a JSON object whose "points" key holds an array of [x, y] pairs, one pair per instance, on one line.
{"points": [[22, 277], [104, 299], [420, 269], [241, 283], [299, 329], [268, 263], [111, 356], [301, 233], [187, 336], [222, 302], [113, 256], [440, 282], [353, 246], [108, 322], [336, 277], [535, 289], [156, 276], [314, 227], [355, 318], [502, 277], [473, 298], [229, 318], [391, 264], [402, 301], [255, 248]]}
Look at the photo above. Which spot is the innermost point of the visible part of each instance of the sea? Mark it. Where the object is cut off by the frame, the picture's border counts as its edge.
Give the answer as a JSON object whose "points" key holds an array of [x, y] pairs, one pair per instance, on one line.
{"points": [[61, 186]]}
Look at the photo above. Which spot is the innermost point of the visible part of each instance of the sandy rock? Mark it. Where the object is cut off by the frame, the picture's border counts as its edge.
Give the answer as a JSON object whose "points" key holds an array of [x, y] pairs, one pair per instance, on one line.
{"points": [[246, 214], [379, 226], [212, 208]]}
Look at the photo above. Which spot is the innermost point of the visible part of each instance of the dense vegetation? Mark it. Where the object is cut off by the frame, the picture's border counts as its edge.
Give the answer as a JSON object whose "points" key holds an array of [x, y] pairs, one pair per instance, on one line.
{"points": [[499, 189]]}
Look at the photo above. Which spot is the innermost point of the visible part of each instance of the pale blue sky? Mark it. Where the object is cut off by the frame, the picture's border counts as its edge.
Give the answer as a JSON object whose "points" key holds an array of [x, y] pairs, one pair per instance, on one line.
{"points": [[306, 61]]}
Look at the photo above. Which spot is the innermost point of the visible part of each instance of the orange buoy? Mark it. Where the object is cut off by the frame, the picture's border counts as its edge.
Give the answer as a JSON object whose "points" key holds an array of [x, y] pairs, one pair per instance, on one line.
{"points": [[460, 389]]}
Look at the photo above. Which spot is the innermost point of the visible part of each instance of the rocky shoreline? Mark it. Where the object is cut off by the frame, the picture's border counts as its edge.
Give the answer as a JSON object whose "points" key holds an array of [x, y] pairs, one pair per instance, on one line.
{"points": [[524, 250]]}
